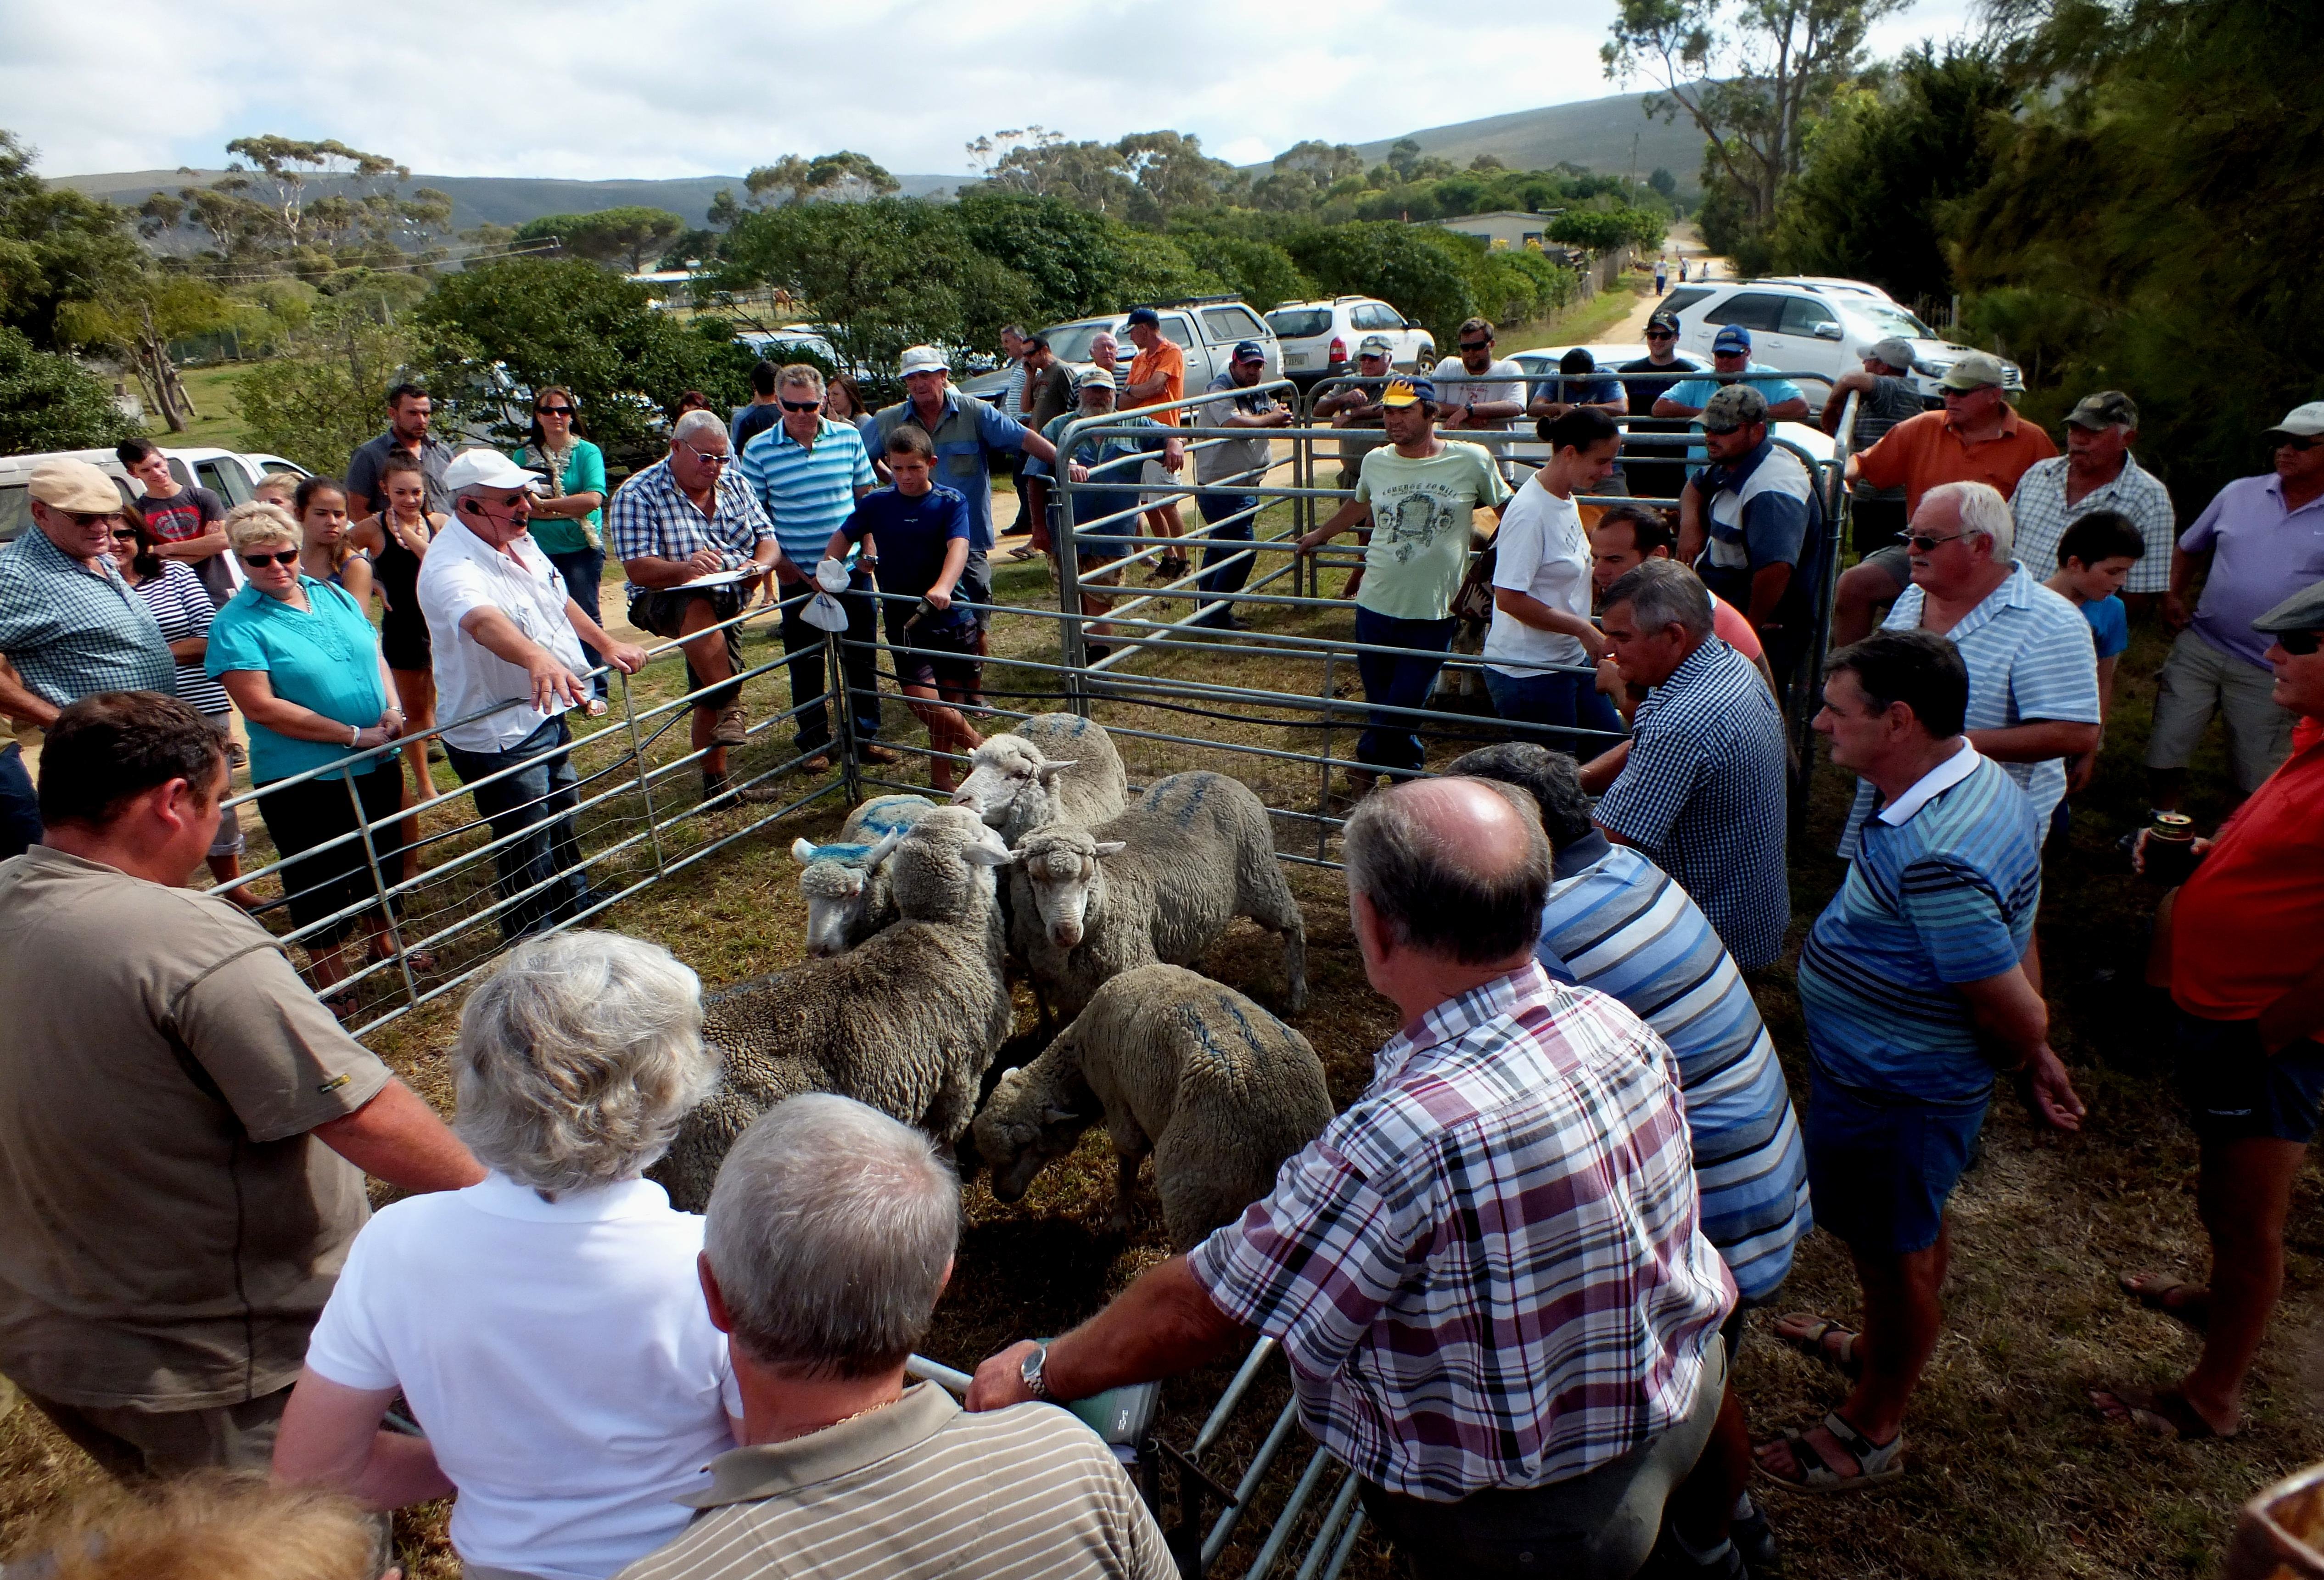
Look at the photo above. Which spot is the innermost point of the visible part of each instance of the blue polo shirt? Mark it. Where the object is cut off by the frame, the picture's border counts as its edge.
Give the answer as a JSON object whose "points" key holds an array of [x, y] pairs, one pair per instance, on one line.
{"points": [[912, 535], [966, 435], [807, 492], [324, 656], [1759, 510]]}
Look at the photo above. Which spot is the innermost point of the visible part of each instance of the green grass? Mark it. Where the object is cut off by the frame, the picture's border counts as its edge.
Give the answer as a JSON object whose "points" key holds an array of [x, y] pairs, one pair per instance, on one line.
{"points": [[219, 424], [1582, 323]]}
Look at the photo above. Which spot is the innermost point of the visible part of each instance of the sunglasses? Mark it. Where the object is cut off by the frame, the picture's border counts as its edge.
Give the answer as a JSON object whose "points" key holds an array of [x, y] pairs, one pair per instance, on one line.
{"points": [[1661, 334], [86, 519], [259, 561], [1922, 543], [2300, 644], [1722, 432], [564, 411], [124, 534], [2289, 443], [802, 405], [1475, 344], [708, 460]]}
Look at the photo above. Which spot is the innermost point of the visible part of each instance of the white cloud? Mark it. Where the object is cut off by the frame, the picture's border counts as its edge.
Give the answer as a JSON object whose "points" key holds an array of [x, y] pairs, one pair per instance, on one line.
{"points": [[601, 88]]}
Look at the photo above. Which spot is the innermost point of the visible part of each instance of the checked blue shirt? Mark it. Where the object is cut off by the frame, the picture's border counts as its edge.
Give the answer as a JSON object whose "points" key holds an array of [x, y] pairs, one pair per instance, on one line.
{"points": [[71, 632], [650, 514]]}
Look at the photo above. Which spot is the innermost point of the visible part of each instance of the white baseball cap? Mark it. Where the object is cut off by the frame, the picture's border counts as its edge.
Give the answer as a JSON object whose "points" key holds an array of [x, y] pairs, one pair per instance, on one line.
{"points": [[2304, 422], [925, 359], [485, 468]]}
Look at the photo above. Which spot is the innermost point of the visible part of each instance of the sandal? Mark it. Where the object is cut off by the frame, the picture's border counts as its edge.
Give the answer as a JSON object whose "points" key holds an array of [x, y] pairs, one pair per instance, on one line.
{"points": [[2164, 1412], [1807, 1333], [1875, 1462], [2154, 1291]]}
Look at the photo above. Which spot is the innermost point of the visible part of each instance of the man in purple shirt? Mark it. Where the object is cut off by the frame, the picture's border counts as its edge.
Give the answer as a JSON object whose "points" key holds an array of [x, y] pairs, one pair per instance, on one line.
{"points": [[2262, 540]]}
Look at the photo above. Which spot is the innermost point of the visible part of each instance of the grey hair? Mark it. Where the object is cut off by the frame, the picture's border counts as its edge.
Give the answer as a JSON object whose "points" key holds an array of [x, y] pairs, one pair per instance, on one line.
{"points": [[830, 1232], [1397, 858], [1980, 509], [698, 422], [578, 1057], [1549, 777], [1663, 592], [256, 522], [800, 375]]}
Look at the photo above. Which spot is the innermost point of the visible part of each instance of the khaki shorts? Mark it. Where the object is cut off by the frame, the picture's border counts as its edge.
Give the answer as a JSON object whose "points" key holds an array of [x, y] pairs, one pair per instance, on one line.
{"points": [[1153, 472], [2197, 680]]}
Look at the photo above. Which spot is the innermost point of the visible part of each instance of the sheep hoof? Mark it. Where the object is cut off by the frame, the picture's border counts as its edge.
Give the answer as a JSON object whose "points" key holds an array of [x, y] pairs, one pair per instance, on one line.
{"points": [[1120, 1221]]}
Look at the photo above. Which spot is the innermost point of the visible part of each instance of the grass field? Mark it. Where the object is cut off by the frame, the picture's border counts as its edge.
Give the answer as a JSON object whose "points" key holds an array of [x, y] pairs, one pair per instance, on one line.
{"points": [[219, 424], [2012, 1473]]}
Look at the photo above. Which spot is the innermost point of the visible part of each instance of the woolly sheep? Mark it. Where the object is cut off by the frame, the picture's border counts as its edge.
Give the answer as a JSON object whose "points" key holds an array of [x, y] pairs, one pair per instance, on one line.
{"points": [[1051, 765], [846, 883], [908, 1022], [1217, 1089], [1159, 882]]}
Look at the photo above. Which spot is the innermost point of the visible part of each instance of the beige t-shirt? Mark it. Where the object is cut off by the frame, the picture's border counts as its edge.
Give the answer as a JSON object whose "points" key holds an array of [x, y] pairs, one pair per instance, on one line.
{"points": [[168, 1231]]}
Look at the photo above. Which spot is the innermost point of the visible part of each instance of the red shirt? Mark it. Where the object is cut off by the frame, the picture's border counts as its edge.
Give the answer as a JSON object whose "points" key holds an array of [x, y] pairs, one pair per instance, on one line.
{"points": [[2250, 923]]}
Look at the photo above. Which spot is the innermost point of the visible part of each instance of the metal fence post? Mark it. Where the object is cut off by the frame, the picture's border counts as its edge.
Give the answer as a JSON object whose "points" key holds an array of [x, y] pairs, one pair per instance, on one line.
{"points": [[835, 686], [379, 887], [1324, 767], [645, 785], [1074, 642]]}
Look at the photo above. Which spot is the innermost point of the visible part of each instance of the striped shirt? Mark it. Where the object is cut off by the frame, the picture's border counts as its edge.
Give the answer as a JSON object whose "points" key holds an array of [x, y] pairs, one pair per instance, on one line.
{"points": [[650, 514], [1943, 891], [808, 492], [2031, 657], [920, 1488], [2044, 515], [72, 632], [182, 608], [1488, 1273], [1703, 795], [1616, 924]]}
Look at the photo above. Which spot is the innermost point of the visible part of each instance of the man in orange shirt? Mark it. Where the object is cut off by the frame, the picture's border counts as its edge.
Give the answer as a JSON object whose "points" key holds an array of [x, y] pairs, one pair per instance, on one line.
{"points": [[1978, 438], [1157, 375], [2246, 950]]}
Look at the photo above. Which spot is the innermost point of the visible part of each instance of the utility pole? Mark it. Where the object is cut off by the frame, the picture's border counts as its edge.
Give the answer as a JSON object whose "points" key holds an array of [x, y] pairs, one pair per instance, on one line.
{"points": [[1634, 167]]}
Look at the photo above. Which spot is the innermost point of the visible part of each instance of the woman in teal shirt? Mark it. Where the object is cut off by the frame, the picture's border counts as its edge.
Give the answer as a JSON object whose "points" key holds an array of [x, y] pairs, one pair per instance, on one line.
{"points": [[568, 523], [303, 664]]}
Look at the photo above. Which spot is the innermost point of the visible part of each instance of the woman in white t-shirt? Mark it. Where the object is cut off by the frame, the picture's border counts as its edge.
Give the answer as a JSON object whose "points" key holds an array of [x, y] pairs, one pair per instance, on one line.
{"points": [[546, 1326], [1541, 653]]}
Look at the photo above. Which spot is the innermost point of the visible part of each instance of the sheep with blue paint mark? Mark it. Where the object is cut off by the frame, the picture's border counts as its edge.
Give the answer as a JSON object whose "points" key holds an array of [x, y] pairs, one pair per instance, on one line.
{"points": [[846, 883], [1048, 766], [1159, 882], [1219, 1091]]}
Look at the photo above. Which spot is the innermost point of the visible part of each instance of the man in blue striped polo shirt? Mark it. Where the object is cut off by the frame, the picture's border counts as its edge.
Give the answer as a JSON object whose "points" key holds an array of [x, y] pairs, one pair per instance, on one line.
{"points": [[808, 471], [1913, 991]]}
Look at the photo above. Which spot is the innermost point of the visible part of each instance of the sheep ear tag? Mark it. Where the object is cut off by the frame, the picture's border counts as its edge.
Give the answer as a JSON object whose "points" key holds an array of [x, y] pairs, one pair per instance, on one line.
{"points": [[823, 612]]}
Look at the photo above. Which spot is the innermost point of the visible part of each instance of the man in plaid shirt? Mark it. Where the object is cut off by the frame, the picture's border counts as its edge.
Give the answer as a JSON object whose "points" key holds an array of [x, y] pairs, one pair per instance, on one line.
{"points": [[1488, 1275]]}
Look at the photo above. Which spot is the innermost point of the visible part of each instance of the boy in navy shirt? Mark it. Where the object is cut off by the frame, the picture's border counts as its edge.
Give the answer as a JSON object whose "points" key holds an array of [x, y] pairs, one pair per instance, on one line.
{"points": [[2094, 559], [918, 532]]}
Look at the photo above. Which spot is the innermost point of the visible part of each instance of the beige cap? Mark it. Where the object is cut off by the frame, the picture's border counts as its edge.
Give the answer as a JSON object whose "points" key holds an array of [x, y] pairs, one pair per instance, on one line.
{"points": [[1975, 370], [75, 485]]}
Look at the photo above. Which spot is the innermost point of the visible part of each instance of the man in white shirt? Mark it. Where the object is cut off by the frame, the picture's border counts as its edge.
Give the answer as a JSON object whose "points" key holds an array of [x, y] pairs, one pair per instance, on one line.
{"points": [[507, 638], [1477, 390], [1541, 586]]}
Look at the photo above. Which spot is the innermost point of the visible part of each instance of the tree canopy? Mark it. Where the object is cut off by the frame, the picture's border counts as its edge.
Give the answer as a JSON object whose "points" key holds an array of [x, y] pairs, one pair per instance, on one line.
{"points": [[628, 236]]}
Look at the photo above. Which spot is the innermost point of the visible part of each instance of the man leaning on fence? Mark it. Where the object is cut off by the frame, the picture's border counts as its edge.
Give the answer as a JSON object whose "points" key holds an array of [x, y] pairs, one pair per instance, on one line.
{"points": [[1235, 463], [186, 1129], [506, 637], [1523, 1148]]}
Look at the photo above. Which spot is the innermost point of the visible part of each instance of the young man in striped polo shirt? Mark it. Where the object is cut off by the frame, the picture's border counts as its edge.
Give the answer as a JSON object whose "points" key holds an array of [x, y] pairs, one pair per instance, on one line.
{"points": [[1914, 992]]}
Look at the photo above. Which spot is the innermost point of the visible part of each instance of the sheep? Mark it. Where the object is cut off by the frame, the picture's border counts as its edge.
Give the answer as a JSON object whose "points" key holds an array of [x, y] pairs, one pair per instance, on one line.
{"points": [[846, 883], [908, 1022], [1051, 765], [1158, 883], [1219, 1091]]}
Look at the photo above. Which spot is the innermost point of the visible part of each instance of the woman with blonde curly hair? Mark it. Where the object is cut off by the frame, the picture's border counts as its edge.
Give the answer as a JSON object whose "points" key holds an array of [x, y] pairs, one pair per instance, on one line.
{"points": [[546, 1325], [211, 1525]]}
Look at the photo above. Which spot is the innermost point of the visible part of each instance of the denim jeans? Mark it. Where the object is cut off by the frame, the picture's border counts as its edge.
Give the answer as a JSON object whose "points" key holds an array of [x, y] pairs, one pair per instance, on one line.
{"points": [[1391, 742], [19, 808], [858, 664], [583, 570], [1557, 700], [538, 806], [1227, 542]]}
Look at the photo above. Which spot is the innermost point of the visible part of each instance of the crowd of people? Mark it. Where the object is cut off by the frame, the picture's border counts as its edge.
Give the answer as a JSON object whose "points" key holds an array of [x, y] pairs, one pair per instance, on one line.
{"points": [[1512, 1280]]}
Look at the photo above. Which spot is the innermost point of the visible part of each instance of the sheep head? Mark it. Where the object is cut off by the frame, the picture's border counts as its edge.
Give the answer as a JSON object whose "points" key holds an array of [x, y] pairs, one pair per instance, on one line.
{"points": [[835, 882], [1021, 1130], [1061, 863], [1002, 772], [942, 869]]}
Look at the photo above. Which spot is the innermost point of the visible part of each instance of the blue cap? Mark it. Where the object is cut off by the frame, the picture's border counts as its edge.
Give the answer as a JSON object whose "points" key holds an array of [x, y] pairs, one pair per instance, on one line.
{"points": [[1411, 390], [1144, 315], [1249, 351], [1733, 340]]}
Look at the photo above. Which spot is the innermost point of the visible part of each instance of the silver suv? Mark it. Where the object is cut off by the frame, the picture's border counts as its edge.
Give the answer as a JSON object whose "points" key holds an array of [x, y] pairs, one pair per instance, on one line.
{"points": [[1319, 337], [1824, 327], [1206, 329]]}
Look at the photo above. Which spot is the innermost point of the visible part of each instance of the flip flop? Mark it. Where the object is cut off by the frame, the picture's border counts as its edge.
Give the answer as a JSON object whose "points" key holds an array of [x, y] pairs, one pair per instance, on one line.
{"points": [[1844, 1357], [2153, 1291], [2163, 1412], [1875, 1462]]}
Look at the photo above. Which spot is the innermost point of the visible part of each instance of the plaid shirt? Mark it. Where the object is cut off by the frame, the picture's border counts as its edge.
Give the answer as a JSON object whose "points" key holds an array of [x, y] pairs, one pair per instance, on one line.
{"points": [[650, 514], [1489, 1271], [2044, 515], [72, 633]]}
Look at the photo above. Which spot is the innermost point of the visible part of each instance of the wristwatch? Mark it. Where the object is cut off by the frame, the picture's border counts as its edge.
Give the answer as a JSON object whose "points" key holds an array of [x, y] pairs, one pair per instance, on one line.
{"points": [[1029, 1371]]}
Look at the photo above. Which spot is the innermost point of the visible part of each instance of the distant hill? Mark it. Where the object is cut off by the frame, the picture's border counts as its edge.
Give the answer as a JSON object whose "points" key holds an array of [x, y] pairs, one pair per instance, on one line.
{"points": [[1594, 133]]}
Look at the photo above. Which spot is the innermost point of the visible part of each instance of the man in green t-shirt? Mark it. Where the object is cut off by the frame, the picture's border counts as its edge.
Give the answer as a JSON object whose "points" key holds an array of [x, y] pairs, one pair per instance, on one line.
{"points": [[1420, 494]]}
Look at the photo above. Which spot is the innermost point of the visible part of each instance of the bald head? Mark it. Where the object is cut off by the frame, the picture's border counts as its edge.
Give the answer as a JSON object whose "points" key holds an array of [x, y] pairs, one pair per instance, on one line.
{"points": [[1453, 867]]}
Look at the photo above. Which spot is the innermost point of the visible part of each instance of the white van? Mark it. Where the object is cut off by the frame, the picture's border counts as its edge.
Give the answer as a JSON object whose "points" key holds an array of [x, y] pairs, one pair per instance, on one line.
{"points": [[231, 474]]}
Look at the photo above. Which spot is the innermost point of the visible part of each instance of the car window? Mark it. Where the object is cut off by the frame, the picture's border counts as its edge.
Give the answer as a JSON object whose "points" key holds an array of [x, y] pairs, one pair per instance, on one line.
{"points": [[1748, 309], [1888, 319], [1230, 323], [1679, 301], [15, 510], [230, 483], [1804, 315], [1296, 323], [1370, 315], [1071, 342], [1177, 326]]}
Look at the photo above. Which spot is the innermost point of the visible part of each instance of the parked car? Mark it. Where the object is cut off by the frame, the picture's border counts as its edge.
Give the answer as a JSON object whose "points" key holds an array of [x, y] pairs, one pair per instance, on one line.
{"points": [[1319, 338], [1542, 362], [1825, 327], [231, 474], [1206, 329]]}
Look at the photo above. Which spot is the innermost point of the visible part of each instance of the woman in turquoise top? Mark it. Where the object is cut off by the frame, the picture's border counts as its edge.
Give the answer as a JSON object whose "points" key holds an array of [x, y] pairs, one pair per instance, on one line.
{"points": [[302, 663], [568, 523]]}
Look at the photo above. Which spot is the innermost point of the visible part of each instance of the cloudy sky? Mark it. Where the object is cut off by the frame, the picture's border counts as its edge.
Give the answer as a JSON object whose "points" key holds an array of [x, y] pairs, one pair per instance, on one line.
{"points": [[603, 88]]}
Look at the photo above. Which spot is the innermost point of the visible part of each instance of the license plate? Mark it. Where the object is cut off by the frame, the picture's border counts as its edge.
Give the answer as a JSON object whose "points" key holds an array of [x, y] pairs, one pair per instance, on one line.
{"points": [[1294, 359]]}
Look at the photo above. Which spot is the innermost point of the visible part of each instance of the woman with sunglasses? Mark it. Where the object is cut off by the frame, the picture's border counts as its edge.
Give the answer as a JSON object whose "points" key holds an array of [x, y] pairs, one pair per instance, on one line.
{"points": [[300, 658], [568, 518], [326, 552], [181, 606], [397, 540]]}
